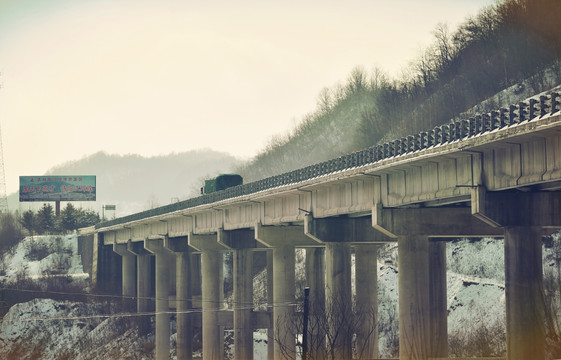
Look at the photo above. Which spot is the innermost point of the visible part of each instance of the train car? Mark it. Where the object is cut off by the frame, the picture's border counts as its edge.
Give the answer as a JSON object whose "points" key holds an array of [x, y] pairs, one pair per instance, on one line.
{"points": [[221, 182]]}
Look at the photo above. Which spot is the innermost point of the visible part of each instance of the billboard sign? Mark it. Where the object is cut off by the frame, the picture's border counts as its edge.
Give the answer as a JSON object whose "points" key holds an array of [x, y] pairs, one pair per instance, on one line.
{"points": [[57, 188]]}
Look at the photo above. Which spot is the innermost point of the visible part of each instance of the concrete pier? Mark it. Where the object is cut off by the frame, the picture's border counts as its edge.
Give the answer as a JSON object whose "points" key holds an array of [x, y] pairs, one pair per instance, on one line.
{"points": [[414, 308], [366, 285], [524, 294], [212, 297], [243, 304], [128, 272], [144, 284], [438, 301], [524, 216], [315, 280], [339, 298], [283, 241], [162, 296], [283, 298], [270, 308], [183, 295], [184, 307]]}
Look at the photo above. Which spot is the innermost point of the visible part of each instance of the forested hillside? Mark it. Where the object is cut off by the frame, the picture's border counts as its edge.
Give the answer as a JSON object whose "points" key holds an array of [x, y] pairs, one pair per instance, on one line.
{"points": [[514, 44]]}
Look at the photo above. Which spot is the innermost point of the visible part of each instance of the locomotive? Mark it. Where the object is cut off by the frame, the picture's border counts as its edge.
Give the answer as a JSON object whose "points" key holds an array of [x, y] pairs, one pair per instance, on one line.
{"points": [[221, 182]]}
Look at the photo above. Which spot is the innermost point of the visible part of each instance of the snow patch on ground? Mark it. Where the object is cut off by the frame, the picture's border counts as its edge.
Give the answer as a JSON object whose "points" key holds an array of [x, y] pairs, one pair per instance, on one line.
{"points": [[46, 328], [36, 257]]}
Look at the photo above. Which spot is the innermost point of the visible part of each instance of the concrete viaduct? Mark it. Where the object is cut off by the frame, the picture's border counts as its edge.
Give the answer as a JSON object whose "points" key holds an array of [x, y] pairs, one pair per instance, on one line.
{"points": [[497, 175]]}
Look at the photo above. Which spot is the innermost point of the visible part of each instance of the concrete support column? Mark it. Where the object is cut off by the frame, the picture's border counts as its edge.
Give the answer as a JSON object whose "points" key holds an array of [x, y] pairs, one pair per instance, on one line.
{"points": [[195, 272], [184, 306], [211, 262], [524, 293], [315, 280], [283, 298], [270, 308], [414, 309], [144, 287], [128, 271], [243, 304], [339, 298], [315, 277], [366, 285], [144, 283], [162, 297], [283, 240], [438, 300]]}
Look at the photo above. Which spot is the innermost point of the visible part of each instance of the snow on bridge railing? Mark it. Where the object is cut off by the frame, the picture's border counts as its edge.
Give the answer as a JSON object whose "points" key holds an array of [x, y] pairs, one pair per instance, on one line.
{"points": [[524, 111]]}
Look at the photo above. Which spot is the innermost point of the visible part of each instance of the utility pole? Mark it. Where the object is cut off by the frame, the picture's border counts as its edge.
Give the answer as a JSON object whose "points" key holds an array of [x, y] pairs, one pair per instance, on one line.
{"points": [[3, 196]]}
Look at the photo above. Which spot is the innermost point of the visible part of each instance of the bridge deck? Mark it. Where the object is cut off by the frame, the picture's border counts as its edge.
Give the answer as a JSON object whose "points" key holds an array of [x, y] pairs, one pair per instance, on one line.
{"points": [[535, 118]]}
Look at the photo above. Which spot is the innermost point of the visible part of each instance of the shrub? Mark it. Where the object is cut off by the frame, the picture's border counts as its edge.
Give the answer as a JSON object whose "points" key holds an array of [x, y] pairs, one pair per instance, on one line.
{"points": [[10, 231], [36, 250], [481, 340]]}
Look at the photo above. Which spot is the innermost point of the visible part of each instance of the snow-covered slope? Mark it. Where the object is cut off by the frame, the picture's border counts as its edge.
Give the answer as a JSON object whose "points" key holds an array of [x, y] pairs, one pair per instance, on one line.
{"points": [[37, 257], [99, 329]]}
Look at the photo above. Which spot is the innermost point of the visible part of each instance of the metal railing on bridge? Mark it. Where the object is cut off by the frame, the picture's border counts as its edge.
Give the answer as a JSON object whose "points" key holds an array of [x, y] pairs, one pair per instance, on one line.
{"points": [[524, 111]]}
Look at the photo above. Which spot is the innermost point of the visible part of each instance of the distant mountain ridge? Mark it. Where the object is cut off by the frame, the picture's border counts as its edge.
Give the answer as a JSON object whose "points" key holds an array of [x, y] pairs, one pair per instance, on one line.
{"points": [[134, 183]]}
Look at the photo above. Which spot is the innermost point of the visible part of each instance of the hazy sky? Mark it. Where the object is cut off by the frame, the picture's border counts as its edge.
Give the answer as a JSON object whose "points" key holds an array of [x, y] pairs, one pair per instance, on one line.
{"points": [[160, 76]]}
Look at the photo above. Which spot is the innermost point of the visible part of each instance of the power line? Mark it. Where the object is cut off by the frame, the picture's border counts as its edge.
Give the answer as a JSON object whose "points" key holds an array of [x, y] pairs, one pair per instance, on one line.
{"points": [[117, 298]]}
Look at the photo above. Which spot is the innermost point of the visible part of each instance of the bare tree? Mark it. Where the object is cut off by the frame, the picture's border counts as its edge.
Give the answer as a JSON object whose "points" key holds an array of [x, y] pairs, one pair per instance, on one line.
{"points": [[328, 329], [444, 46], [552, 301]]}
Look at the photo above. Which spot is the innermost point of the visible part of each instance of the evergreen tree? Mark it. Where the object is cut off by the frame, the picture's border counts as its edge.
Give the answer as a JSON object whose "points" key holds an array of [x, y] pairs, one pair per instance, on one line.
{"points": [[45, 219], [69, 218], [28, 221], [86, 218]]}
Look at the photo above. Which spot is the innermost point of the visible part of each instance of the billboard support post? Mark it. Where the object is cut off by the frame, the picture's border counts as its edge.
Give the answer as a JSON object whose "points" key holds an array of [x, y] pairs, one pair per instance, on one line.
{"points": [[57, 208]]}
